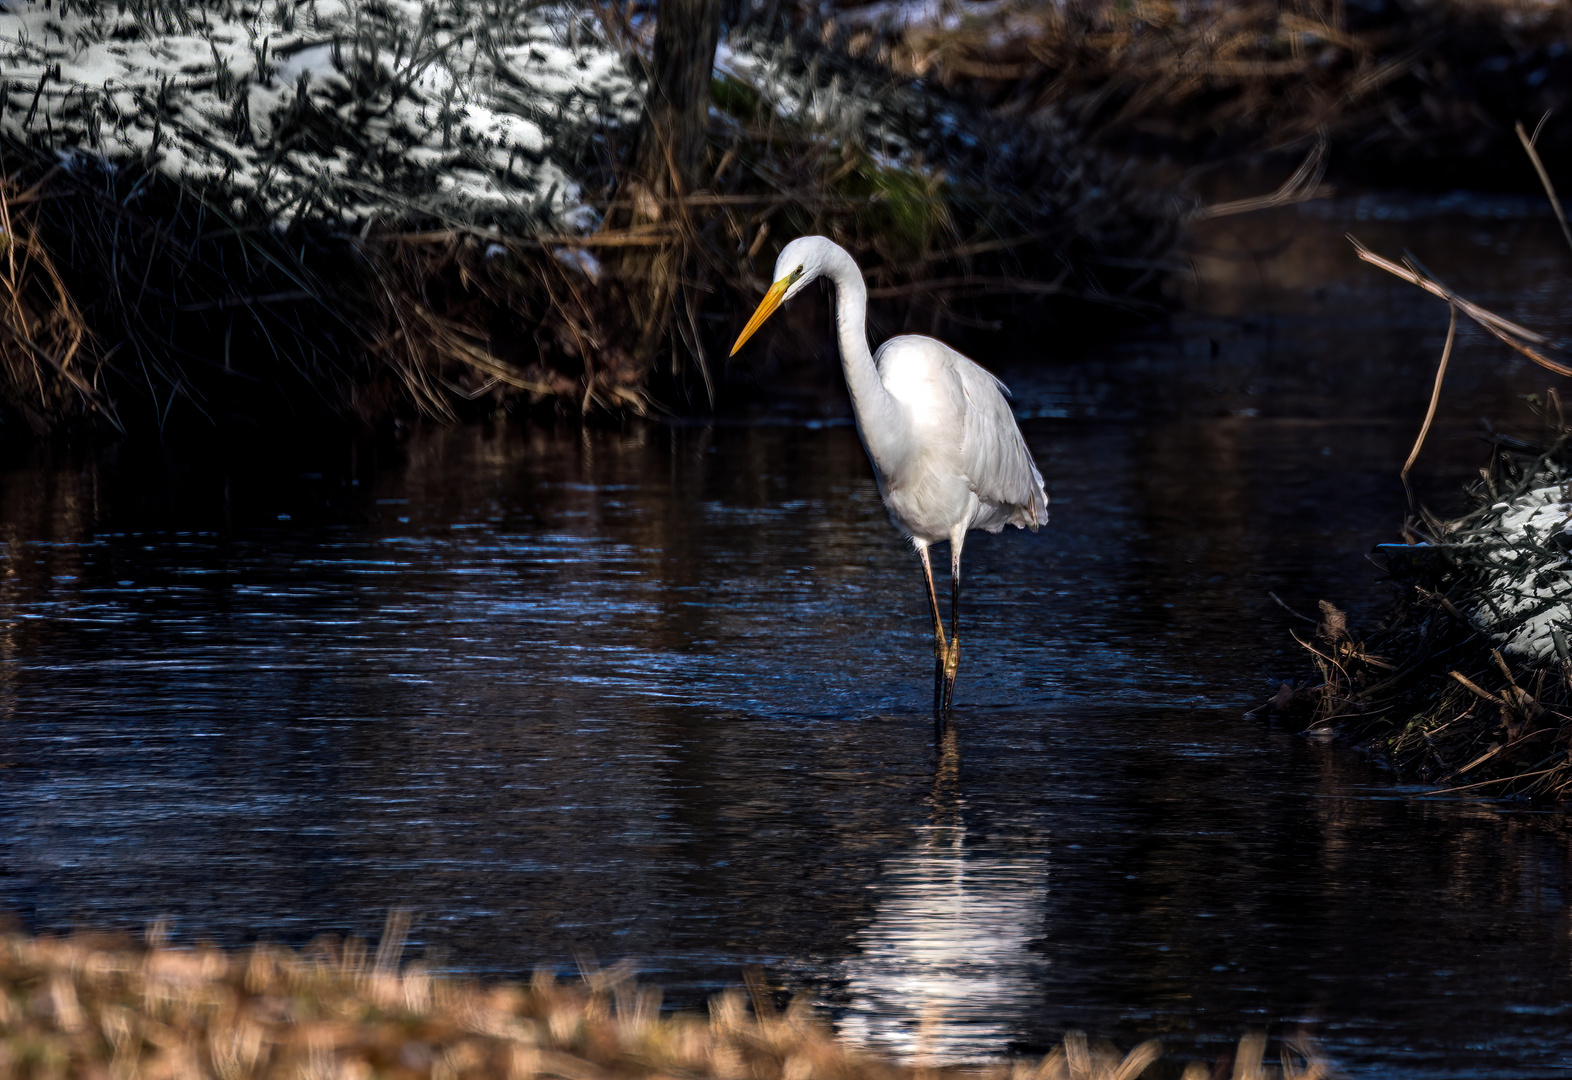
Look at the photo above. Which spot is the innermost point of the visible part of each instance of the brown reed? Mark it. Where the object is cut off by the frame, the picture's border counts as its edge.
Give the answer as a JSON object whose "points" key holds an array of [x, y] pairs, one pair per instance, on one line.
{"points": [[51, 361]]}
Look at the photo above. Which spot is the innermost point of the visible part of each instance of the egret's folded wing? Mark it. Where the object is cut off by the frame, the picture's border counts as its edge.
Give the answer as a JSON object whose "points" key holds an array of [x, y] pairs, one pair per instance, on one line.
{"points": [[993, 453]]}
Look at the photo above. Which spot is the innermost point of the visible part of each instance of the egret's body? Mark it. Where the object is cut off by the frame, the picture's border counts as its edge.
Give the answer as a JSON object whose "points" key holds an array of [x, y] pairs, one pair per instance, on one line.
{"points": [[945, 448]]}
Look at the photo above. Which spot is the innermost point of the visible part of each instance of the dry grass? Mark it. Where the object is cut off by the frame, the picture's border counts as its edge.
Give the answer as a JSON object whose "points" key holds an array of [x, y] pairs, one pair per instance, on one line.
{"points": [[97, 1007], [195, 313], [183, 309], [464, 317], [46, 346], [1172, 64]]}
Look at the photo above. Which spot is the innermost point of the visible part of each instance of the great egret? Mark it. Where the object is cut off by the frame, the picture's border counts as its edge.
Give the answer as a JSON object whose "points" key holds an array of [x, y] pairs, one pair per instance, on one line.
{"points": [[945, 448]]}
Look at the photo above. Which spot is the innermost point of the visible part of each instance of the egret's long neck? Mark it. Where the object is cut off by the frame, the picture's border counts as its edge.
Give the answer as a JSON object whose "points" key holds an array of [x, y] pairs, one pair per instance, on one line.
{"points": [[880, 418]]}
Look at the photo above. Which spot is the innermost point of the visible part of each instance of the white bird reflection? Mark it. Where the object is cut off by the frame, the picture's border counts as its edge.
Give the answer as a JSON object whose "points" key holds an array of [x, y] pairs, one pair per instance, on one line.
{"points": [[947, 971]]}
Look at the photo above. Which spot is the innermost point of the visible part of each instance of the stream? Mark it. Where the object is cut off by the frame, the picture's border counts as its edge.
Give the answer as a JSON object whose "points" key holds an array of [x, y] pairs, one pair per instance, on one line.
{"points": [[661, 693]]}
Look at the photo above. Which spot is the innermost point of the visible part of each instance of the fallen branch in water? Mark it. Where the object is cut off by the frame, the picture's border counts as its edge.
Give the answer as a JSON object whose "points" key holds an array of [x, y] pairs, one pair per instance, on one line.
{"points": [[1518, 337]]}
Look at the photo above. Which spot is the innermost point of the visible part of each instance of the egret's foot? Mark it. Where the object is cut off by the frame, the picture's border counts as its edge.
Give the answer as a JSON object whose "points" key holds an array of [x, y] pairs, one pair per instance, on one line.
{"points": [[952, 664]]}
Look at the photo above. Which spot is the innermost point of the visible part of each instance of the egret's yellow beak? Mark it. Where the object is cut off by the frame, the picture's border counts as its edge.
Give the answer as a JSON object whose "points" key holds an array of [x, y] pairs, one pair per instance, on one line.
{"points": [[767, 306]]}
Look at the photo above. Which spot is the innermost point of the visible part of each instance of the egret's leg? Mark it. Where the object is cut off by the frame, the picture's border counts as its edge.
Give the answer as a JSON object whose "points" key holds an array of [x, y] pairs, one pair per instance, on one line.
{"points": [[940, 648], [952, 652]]}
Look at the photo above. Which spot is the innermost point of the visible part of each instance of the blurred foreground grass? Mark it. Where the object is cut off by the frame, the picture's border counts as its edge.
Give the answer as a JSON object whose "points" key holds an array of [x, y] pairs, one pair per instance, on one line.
{"points": [[94, 1006]]}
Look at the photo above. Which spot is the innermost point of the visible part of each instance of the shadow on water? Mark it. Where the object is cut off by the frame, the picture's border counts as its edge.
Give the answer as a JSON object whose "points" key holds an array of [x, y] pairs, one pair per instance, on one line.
{"points": [[661, 693]]}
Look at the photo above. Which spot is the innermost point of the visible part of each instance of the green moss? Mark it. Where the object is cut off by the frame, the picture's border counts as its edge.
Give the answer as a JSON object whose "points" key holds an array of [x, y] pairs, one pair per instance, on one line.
{"points": [[908, 210], [734, 98]]}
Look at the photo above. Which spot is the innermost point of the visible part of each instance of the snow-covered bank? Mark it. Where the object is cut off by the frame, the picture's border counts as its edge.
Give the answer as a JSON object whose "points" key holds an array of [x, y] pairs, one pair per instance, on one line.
{"points": [[378, 112], [352, 111], [395, 206], [1468, 681]]}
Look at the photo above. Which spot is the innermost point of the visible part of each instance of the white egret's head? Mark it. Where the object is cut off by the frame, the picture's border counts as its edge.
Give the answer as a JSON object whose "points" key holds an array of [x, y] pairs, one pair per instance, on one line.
{"points": [[800, 261]]}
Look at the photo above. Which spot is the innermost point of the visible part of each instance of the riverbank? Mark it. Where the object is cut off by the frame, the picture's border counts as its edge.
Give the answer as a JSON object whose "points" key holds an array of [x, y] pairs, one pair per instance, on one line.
{"points": [[316, 213], [92, 1006], [1419, 95], [1467, 682], [322, 214]]}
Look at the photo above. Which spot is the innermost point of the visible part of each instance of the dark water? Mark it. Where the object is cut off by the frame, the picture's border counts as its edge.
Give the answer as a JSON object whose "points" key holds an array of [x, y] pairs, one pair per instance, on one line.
{"points": [[660, 693]]}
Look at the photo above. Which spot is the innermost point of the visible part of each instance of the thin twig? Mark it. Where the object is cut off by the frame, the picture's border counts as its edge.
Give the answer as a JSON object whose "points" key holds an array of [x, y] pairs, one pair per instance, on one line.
{"points": [[1291, 611], [1544, 178], [1504, 329], [1497, 780], [1485, 318], [1476, 688], [1435, 399]]}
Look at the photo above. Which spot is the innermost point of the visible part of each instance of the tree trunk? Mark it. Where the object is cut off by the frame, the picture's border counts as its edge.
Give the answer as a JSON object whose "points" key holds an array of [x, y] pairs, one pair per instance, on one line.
{"points": [[669, 161], [676, 115]]}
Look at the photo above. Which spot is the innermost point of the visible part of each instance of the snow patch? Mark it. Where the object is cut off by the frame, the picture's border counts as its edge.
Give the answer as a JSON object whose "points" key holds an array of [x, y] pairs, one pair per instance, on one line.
{"points": [[1524, 596], [344, 110]]}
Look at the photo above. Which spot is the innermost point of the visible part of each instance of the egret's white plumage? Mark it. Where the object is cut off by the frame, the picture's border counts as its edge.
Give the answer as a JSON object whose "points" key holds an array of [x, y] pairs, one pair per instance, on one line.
{"points": [[945, 447]]}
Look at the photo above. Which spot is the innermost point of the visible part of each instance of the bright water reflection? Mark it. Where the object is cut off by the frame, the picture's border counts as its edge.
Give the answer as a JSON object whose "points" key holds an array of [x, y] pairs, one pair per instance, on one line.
{"points": [[953, 960], [659, 693]]}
